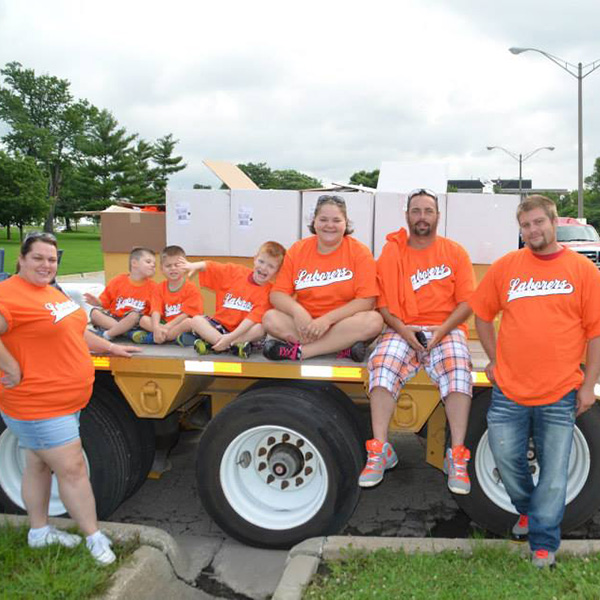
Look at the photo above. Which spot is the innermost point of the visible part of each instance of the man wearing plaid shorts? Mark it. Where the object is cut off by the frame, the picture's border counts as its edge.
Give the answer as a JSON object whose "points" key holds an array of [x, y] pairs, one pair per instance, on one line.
{"points": [[425, 283]]}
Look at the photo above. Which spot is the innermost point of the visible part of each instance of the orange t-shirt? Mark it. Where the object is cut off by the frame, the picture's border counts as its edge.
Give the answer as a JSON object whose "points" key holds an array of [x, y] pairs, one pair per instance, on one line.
{"points": [[423, 287], [238, 297], [324, 282], [187, 300], [550, 308], [45, 336], [122, 295]]}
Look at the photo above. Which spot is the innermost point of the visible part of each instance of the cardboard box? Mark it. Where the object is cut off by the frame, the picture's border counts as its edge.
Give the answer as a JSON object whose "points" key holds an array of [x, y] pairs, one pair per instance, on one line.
{"points": [[199, 221], [258, 216], [122, 231]]}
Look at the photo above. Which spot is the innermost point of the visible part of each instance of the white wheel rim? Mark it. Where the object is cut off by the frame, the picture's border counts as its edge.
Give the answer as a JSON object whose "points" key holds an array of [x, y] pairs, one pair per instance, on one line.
{"points": [[12, 466], [493, 488], [257, 493]]}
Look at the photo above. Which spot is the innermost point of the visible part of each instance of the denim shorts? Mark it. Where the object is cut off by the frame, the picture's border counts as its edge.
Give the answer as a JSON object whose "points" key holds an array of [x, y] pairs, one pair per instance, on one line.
{"points": [[44, 434]]}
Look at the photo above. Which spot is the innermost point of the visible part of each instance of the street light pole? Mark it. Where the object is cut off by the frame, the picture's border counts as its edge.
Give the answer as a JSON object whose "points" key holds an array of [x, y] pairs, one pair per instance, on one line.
{"points": [[521, 159], [576, 71]]}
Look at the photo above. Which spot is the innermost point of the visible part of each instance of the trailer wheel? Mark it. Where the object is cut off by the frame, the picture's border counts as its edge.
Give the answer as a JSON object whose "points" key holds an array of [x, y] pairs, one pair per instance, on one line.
{"points": [[138, 433], [105, 453], [488, 503], [278, 465]]}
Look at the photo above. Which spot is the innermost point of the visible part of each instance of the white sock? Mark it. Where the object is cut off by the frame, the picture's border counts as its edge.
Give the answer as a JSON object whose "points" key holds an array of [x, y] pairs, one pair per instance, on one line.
{"points": [[106, 336], [39, 532], [94, 537]]}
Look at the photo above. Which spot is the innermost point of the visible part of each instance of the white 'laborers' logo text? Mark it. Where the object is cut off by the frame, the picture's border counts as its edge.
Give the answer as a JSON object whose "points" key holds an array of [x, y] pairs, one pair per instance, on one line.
{"points": [[531, 288], [319, 279], [172, 310], [421, 278], [133, 303], [59, 310], [236, 303]]}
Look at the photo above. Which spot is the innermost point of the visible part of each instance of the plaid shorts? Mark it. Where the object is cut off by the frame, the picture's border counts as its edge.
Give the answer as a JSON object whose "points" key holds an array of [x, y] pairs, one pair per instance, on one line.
{"points": [[217, 325], [393, 363]]}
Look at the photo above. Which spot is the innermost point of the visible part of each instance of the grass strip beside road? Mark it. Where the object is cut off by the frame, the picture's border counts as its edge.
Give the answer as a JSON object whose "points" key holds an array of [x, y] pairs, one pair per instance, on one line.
{"points": [[488, 573], [82, 251], [53, 572]]}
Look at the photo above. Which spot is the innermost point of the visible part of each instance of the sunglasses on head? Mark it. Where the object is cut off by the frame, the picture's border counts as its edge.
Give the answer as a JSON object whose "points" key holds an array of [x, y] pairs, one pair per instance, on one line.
{"points": [[327, 198], [422, 192], [40, 235]]}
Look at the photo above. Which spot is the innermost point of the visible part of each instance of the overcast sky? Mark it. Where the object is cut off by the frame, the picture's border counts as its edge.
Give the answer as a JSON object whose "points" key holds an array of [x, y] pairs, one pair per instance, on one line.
{"points": [[328, 87]]}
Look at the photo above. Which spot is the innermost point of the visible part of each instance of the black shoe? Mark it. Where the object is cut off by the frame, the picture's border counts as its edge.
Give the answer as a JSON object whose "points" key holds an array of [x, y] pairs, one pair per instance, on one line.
{"points": [[276, 350], [241, 349], [186, 339], [356, 352]]}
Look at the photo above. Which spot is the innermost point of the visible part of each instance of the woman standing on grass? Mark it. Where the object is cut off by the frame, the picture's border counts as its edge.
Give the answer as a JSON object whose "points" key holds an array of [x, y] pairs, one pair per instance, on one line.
{"points": [[325, 292], [47, 378]]}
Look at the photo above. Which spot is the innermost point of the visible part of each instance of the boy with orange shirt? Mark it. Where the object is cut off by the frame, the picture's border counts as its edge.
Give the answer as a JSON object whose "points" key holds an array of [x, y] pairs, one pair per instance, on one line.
{"points": [[174, 302], [425, 283], [242, 299], [126, 298], [548, 296]]}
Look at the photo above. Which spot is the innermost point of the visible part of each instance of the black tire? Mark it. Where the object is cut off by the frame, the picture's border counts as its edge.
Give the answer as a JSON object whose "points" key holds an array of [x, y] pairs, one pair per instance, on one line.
{"points": [[489, 510], [138, 433], [106, 453], [315, 501]]}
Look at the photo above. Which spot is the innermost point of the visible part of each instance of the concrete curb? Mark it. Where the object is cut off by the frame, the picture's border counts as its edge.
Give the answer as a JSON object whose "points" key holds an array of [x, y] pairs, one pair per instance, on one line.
{"points": [[158, 569], [304, 558]]}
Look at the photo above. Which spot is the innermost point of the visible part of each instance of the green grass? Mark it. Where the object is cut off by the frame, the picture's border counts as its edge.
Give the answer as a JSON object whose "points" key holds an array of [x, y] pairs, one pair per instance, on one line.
{"points": [[489, 573], [82, 250], [54, 572]]}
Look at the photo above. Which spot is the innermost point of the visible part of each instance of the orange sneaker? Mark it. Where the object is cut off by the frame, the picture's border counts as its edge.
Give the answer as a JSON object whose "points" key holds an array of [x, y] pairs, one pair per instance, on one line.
{"points": [[455, 466], [380, 458]]}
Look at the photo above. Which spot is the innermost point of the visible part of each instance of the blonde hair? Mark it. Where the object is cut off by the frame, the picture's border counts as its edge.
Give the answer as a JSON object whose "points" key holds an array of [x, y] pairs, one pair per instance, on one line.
{"points": [[538, 201]]}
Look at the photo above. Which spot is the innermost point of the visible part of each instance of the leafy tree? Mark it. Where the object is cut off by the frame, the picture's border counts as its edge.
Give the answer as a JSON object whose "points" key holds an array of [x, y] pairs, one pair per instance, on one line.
{"points": [[23, 192], [166, 165], [98, 180], [138, 176], [45, 123], [201, 186], [366, 178], [284, 179]]}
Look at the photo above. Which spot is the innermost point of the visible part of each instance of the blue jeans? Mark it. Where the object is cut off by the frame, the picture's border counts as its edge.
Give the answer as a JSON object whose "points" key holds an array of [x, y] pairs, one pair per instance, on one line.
{"points": [[510, 426]]}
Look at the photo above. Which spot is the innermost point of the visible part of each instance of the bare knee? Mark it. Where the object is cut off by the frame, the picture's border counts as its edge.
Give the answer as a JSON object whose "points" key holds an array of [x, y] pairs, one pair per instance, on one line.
{"points": [[72, 471], [372, 324], [270, 320]]}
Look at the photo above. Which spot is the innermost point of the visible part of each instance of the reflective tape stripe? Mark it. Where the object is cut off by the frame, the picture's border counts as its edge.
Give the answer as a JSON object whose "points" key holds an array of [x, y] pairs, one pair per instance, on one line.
{"points": [[209, 366], [329, 372], [480, 377], [101, 362]]}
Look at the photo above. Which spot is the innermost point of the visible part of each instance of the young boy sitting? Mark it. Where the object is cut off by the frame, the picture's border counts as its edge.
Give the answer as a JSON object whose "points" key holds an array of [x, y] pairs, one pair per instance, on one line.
{"points": [[242, 299], [174, 303], [126, 297]]}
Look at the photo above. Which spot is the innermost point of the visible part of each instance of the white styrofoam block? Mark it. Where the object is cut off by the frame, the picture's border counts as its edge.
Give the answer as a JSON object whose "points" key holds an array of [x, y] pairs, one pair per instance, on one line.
{"points": [[359, 206], [261, 215], [390, 215], [199, 221], [405, 177], [485, 224]]}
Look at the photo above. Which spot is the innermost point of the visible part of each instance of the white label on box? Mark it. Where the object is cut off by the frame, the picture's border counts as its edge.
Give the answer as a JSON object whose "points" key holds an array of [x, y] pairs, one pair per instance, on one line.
{"points": [[182, 213], [245, 216]]}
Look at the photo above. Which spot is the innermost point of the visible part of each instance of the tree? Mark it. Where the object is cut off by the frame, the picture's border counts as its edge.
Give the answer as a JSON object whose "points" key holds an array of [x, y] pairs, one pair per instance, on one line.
{"points": [[45, 123], [366, 178], [22, 192], [284, 179], [201, 186], [97, 182], [138, 176], [166, 165]]}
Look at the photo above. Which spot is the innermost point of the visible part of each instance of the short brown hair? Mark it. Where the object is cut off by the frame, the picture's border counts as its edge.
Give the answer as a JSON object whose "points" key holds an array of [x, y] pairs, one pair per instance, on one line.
{"points": [[273, 249], [334, 201], [31, 239], [137, 253], [538, 201], [169, 251]]}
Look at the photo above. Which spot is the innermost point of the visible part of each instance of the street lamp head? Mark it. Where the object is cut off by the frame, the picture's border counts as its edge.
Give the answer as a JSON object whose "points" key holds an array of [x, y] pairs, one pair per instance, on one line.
{"points": [[490, 147], [517, 50], [550, 147]]}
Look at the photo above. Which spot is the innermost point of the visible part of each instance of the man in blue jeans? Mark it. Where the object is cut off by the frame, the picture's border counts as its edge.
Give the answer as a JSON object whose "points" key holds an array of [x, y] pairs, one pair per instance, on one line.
{"points": [[549, 297]]}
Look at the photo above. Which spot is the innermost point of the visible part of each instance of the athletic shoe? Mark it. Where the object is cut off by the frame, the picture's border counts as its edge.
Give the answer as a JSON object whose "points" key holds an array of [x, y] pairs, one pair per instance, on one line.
{"points": [[139, 336], [356, 352], [186, 339], [543, 559], [276, 350], [202, 347], [520, 529], [53, 536], [380, 458], [241, 349], [99, 546], [455, 466]]}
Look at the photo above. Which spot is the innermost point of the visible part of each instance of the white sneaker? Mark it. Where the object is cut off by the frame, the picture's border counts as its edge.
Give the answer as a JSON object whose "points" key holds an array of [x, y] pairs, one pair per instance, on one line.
{"points": [[99, 546], [53, 536]]}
